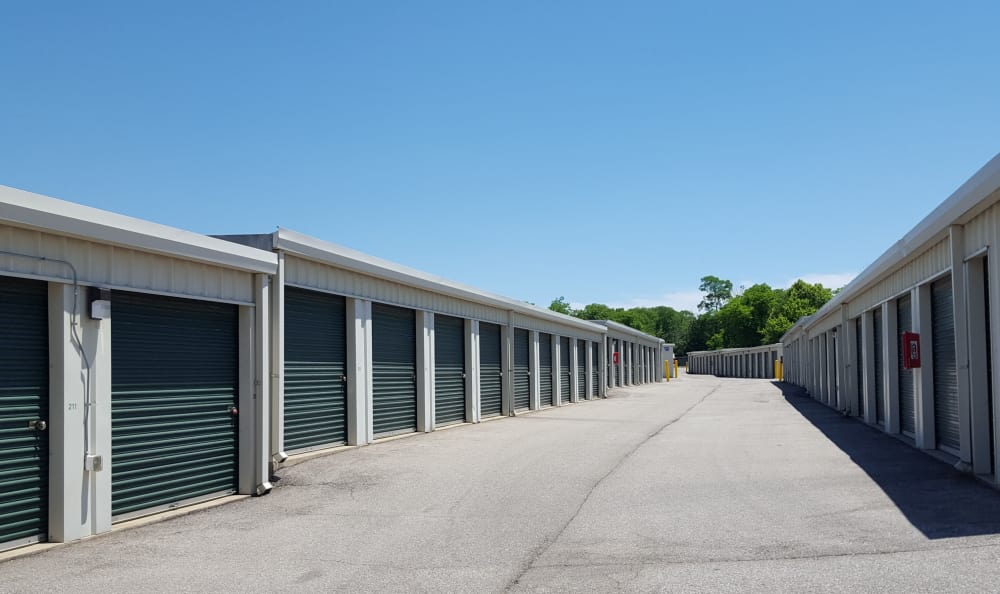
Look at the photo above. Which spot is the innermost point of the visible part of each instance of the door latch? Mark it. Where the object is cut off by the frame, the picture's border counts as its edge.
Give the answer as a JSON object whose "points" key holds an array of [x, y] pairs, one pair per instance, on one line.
{"points": [[38, 425]]}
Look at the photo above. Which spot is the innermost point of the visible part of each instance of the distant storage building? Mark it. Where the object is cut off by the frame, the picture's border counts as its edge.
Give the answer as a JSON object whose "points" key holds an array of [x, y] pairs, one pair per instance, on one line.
{"points": [[144, 368]]}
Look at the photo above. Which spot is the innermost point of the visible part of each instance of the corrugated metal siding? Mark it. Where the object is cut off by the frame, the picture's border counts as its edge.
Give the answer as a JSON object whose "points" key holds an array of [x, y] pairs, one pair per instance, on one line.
{"points": [[946, 420], [315, 369], [449, 370], [545, 379], [490, 370], [522, 369], [394, 369], [173, 385], [930, 263], [24, 397], [121, 268], [982, 231], [549, 327], [907, 398], [306, 273]]}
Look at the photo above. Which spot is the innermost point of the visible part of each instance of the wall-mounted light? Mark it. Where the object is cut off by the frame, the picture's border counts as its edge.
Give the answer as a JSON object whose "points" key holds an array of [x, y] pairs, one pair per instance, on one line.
{"points": [[99, 299]]}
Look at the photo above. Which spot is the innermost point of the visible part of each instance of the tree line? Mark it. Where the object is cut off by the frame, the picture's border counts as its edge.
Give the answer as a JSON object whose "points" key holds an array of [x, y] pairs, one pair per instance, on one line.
{"points": [[751, 316]]}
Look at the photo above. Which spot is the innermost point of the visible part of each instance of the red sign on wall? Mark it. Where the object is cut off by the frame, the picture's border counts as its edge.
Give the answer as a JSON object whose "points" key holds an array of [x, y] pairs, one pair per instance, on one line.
{"points": [[614, 358], [911, 350]]}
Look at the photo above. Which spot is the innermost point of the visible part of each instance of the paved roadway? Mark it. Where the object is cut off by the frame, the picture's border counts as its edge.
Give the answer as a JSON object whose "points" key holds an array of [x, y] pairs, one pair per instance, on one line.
{"points": [[699, 485]]}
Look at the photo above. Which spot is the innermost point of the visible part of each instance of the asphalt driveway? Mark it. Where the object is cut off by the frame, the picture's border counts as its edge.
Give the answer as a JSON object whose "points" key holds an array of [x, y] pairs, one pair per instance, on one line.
{"points": [[699, 485]]}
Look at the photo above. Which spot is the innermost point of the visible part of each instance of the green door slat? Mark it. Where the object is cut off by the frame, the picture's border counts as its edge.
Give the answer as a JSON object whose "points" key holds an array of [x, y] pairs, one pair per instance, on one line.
{"points": [[173, 383], [545, 379], [315, 369], [565, 362], [581, 369], [522, 369], [449, 369], [24, 396], [595, 370], [490, 370], [394, 358]]}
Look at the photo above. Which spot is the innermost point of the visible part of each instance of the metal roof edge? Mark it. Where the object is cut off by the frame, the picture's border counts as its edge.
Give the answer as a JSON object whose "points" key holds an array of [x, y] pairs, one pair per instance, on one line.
{"points": [[350, 259], [43, 213], [977, 188], [628, 330]]}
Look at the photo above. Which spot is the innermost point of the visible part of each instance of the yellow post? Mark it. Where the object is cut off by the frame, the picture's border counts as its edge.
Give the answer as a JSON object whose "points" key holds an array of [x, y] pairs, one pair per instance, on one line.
{"points": [[666, 370], [676, 367]]}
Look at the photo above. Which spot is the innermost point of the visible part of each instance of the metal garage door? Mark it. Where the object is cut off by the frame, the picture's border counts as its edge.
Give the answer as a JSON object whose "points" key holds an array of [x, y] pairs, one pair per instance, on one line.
{"points": [[545, 369], [581, 369], [595, 369], [617, 374], [907, 404], [315, 369], [490, 370], [945, 370], [449, 370], [877, 335], [24, 400], [522, 369], [174, 388], [394, 369], [564, 368], [859, 364]]}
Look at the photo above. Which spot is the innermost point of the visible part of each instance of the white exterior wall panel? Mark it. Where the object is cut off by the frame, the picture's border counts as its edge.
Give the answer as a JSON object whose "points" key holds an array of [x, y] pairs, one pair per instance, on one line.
{"points": [[984, 229], [116, 267], [307, 274], [549, 327], [930, 263]]}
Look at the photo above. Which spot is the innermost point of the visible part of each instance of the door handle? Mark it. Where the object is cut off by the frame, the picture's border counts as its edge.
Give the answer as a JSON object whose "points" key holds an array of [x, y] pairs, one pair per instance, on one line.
{"points": [[38, 425]]}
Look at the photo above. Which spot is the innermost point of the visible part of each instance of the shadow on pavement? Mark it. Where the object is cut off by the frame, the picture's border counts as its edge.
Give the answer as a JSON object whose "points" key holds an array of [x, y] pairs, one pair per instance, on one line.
{"points": [[938, 500]]}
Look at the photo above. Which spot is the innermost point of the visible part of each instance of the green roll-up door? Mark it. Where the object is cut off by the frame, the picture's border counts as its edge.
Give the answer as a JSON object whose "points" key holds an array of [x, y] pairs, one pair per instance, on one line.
{"points": [[564, 368], [595, 370], [449, 370], [174, 388], [24, 399], [945, 371], [877, 332], [581, 369], [522, 369], [616, 365], [315, 369], [394, 369], [907, 403], [859, 364], [490, 370], [545, 369]]}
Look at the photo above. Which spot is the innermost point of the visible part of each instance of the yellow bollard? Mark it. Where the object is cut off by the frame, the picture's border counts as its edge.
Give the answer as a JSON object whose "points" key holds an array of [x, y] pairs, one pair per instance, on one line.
{"points": [[676, 367], [666, 370]]}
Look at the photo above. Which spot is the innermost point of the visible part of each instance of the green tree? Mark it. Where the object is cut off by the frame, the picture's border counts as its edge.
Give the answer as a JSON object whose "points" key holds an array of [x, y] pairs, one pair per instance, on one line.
{"points": [[561, 305], [717, 292], [594, 311]]}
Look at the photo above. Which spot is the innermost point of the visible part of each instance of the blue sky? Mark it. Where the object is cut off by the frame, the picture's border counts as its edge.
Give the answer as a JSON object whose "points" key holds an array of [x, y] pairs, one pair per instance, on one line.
{"points": [[609, 152]]}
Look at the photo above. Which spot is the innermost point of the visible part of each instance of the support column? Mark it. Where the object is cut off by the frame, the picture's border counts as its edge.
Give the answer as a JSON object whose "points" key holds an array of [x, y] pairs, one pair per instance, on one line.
{"points": [[536, 401], [253, 403], [556, 370], [574, 370], [79, 499], [507, 364], [277, 299], [471, 371], [979, 372], [959, 275], [425, 371], [359, 371], [851, 359], [868, 392], [588, 380]]}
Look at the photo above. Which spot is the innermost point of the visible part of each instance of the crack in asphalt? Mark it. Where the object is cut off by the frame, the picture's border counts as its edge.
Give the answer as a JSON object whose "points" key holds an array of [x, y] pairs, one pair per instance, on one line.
{"points": [[547, 543]]}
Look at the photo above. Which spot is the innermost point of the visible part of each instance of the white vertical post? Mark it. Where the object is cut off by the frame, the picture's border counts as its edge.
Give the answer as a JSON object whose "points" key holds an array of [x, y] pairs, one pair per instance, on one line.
{"points": [[557, 357], [425, 371], [588, 380], [507, 365], [471, 364], [574, 369], [79, 500], [959, 274], [359, 372], [477, 372], [262, 386], [277, 325], [536, 401]]}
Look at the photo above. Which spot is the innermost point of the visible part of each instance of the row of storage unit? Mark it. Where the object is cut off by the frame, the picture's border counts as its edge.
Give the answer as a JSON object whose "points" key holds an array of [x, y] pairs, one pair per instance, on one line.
{"points": [[907, 346], [143, 367], [634, 359], [752, 362]]}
